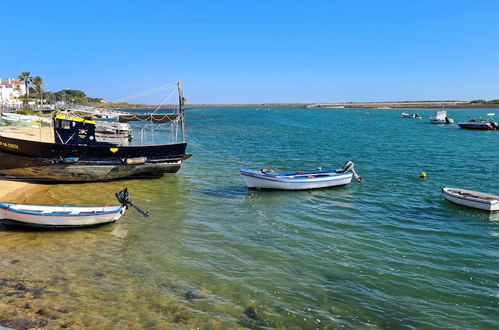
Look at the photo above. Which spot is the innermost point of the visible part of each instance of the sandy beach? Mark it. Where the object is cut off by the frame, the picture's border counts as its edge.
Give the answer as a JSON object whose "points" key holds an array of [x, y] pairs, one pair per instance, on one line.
{"points": [[15, 191]]}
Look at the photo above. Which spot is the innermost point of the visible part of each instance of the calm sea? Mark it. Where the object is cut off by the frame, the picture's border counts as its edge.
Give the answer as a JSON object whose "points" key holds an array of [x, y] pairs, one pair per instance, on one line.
{"points": [[387, 253]]}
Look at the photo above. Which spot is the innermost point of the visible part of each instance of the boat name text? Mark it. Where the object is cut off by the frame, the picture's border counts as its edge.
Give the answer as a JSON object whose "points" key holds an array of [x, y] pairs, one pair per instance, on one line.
{"points": [[9, 145]]}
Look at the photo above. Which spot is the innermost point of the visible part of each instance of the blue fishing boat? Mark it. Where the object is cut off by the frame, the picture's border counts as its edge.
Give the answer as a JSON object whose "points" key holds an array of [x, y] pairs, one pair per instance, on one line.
{"points": [[299, 180]]}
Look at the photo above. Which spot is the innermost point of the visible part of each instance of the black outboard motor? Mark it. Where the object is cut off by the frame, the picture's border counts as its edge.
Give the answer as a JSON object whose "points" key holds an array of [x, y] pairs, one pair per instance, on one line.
{"points": [[124, 198]]}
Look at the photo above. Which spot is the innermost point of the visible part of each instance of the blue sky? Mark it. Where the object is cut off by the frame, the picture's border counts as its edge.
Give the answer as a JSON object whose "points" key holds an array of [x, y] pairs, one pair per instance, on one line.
{"points": [[258, 51]]}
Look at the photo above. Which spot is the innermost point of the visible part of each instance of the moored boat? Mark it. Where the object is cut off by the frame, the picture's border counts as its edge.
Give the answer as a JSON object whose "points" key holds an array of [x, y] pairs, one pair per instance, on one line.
{"points": [[410, 115], [441, 118], [75, 153], [470, 198], [299, 180], [481, 124], [55, 216]]}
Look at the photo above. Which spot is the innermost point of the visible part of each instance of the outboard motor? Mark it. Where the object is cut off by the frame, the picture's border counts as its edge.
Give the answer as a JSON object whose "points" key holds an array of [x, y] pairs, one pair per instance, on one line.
{"points": [[348, 167], [124, 198]]}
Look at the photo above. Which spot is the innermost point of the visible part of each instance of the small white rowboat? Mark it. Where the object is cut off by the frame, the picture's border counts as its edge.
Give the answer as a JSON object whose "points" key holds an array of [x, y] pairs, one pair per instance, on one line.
{"points": [[269, 179], [53, 216], [470, 198], [59, 216]]}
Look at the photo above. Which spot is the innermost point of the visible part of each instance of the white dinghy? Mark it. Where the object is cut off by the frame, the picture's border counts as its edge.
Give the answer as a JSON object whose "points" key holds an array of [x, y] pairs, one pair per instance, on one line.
{"points": [[470, 198], [52, 216], [299, 180]]}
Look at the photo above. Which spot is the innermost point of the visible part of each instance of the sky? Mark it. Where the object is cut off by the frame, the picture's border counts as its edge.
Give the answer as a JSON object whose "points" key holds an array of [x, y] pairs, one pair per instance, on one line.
{"points": [[258, 51]]}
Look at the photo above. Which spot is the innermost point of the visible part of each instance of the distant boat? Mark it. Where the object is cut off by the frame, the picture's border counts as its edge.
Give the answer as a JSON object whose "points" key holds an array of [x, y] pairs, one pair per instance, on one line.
{"points": [[410, 115], [470, 198], [480, 124], [299, 180], [52, 216], [441, 118]]}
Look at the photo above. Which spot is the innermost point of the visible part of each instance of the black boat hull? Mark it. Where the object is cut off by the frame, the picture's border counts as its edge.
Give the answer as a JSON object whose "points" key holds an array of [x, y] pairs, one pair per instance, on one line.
{"points": [[39, 161]]}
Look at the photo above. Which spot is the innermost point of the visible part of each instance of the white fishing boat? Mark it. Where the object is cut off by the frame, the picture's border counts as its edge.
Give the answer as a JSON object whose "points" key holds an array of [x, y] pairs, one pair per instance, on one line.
{"points": [[410, 115], [64, 216], [441, 118], [470, 198], [299, 180]]}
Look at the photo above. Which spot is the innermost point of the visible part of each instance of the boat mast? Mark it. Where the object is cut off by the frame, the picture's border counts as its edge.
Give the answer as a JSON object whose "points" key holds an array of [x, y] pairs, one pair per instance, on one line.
{"points": [[181, 109]]}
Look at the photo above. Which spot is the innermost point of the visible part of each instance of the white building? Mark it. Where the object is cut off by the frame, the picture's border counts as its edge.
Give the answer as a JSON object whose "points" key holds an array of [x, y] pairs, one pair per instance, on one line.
{"points": [[10, 92]]}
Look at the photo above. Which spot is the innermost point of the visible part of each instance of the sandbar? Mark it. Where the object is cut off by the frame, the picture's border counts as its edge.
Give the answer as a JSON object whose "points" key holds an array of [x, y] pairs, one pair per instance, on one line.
{"points": [[16, 191]]}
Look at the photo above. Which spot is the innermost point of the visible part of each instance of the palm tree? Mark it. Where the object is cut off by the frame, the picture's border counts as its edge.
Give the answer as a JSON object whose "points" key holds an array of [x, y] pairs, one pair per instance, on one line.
{"points": [[27, 79], [37, 81]]}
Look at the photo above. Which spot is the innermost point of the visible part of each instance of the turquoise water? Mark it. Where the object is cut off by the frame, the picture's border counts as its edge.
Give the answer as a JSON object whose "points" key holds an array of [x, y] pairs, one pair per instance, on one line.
{"points": [[387, 253]]}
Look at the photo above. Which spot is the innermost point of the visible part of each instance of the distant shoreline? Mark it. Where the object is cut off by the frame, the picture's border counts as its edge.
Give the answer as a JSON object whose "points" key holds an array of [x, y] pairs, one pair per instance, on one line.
{"points": [[361, 105]]}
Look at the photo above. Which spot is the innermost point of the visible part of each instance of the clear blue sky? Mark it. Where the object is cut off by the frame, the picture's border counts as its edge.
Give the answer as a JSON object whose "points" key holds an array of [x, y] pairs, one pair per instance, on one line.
{"points": [[259, 50]]}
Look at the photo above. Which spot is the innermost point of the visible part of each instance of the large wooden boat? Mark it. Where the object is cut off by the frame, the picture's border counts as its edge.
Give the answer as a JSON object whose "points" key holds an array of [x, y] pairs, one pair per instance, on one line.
{"points": [[76, 155]]}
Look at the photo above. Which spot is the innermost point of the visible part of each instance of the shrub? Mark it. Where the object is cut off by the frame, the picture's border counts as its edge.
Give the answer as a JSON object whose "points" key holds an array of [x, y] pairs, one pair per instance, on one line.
{"points": [[26, 111]]}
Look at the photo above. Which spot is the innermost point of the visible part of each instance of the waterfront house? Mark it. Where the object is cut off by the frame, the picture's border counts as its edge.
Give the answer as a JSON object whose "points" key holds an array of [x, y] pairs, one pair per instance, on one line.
{"points": [[10, 92]]}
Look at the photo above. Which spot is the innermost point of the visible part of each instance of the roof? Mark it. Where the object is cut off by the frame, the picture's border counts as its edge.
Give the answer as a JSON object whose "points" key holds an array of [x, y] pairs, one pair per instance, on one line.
{"points": [[14, 82]]}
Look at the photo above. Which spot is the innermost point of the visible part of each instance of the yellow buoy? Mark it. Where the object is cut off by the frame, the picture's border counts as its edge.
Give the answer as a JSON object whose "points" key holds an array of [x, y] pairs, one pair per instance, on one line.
{"points": [[422, 175]]}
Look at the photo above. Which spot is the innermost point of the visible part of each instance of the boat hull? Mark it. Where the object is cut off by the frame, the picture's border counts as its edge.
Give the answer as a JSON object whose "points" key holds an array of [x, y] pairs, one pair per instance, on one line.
{"points": [[473, 199], [437, 121], [255, 180], [31, 160], [57, 170], [93, 217], [478, 126]]}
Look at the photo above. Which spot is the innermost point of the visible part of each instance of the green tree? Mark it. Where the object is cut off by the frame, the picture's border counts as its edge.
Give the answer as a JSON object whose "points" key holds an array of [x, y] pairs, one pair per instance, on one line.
{"points": [[37, 81], [27, 79]]}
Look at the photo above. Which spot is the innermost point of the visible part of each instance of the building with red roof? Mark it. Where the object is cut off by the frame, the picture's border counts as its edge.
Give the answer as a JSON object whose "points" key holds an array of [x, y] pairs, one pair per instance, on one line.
{"points": [[10, 91]]}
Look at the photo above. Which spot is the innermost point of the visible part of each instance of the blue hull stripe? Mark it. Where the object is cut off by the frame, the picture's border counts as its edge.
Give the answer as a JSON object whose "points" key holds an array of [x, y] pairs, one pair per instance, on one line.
{"points": [[298, 180]]}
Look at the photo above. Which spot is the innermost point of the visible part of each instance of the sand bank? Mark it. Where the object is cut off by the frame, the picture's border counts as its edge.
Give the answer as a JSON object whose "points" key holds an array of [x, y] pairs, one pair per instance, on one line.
{"points": [[15, 191]]}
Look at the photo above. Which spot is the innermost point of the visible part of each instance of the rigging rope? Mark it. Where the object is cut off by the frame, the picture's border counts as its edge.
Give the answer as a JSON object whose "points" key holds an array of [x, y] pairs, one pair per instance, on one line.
{"points": [[145, 92], [163, 102]]}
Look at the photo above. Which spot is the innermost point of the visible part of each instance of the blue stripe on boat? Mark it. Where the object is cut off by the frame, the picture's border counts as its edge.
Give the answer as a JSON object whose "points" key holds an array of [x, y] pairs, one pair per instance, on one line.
{"points": [[302, 177]]}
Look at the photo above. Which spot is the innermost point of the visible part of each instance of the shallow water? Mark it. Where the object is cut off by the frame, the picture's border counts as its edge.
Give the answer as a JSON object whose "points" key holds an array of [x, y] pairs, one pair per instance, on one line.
{"points": [[387, 253]]}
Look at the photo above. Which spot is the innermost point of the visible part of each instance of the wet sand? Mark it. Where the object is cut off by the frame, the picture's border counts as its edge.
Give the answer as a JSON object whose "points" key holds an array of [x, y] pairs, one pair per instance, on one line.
{"points": [[16, 191]]}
